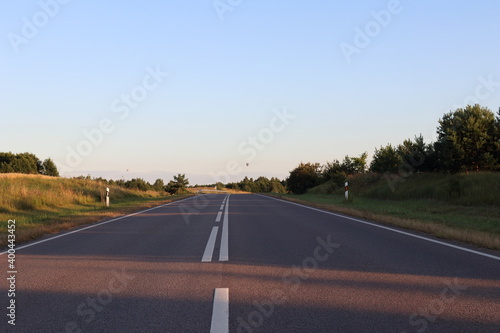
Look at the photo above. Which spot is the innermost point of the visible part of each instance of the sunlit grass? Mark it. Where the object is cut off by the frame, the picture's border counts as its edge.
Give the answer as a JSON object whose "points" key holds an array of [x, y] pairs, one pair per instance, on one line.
{"points": [[42, 205], [464, 207]]}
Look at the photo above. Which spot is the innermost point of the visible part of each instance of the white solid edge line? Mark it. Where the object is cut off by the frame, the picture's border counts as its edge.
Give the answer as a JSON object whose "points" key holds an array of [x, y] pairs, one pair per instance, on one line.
{"points": [[220, 312], [224, 251], [93, 225], [388, 228], [219, 216], [209, 249]]}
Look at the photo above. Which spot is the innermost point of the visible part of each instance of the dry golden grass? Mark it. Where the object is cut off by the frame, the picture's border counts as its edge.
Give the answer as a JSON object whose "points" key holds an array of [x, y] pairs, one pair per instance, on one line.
{"points": [[42, 205], [58, 224]]}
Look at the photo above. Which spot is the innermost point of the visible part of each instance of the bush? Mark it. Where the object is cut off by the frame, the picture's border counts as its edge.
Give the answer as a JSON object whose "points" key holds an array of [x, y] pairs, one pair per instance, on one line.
{"points": [[304, 177]]}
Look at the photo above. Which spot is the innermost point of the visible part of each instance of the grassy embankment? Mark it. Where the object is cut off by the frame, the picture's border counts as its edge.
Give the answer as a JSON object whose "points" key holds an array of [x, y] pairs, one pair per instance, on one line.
{"points": [[463, 207], [42, 205]]}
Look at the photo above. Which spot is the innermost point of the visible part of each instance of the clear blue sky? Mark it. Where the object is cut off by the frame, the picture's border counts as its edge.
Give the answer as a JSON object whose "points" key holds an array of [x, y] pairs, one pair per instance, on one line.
{"points": [[68, 68]]}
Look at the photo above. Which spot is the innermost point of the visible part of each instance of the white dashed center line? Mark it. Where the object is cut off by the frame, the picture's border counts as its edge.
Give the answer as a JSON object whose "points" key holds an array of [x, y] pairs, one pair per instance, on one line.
{"points": [[220, 314]]}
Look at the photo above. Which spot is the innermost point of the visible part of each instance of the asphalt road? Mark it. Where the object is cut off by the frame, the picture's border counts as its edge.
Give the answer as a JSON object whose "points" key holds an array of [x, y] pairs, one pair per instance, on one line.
{"points": [[248, 263]]}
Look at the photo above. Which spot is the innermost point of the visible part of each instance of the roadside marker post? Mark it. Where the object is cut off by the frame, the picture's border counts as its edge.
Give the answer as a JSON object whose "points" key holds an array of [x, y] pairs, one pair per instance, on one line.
{"points": [[107, 196], [346, 190]]}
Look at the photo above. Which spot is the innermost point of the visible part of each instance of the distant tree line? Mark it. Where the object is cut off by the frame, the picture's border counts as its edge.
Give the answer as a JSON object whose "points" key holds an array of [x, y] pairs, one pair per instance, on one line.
{"points": [[176, 186], [259, 185], [27, 163], [468, 140]]}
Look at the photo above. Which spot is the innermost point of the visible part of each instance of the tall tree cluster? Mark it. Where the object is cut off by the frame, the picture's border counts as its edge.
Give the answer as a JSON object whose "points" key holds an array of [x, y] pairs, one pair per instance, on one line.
{"points": [[259, 185], [468, 140], [27, 163]]}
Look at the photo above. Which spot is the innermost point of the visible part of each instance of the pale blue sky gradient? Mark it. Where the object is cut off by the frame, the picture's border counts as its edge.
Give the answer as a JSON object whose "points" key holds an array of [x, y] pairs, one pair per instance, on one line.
{"points": [[227, 79]]}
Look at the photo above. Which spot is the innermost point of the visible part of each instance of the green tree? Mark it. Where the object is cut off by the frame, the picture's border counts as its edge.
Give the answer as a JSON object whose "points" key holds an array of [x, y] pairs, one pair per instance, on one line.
{"points": [[335, 172], [467, 140], [277, 186], [304, 177], [386, 159], [49, 168], [178, 185], [417, 155], [233, 186], [5, 160], [25, 163], [248, 185], [353, 165], [159, 185], [138, 184], [263, 185], [497, 140]]}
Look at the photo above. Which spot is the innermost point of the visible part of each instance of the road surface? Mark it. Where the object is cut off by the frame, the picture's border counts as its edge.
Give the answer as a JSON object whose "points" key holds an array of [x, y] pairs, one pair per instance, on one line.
{"points": [[249, 263]]}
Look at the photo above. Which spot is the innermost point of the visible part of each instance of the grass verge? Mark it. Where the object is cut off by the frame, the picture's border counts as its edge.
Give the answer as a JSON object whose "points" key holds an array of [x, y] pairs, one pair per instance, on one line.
{"points": [[477, 225], [45, 205]]}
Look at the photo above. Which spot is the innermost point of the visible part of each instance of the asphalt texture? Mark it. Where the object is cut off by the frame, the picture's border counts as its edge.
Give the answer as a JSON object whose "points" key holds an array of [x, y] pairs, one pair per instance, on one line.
{"points": [[287, 268]]}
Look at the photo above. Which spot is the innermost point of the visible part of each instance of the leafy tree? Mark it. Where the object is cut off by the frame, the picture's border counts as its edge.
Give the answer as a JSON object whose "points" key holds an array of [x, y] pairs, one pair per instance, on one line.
{"points": [[248, 185], [416, 155], [6, 167], [467, 140], [386, 159], [159, 185], [178, 185], [6, 157], [49, 168], [304, 177], [138, 183], [219, 186], [337, 172], [497, 140], [277, 186], [353, 165], [26, 163], [233, 186], [119, 182], [181, 180], [263, 185]]}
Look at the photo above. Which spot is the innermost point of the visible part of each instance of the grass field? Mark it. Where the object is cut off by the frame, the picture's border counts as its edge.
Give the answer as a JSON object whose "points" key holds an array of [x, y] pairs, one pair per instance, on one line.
{"points": [[463, 207], [42, 205]]}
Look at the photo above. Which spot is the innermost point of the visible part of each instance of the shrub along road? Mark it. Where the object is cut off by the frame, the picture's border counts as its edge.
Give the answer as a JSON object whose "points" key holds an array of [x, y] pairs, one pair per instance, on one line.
{"points": [[249, 263]]}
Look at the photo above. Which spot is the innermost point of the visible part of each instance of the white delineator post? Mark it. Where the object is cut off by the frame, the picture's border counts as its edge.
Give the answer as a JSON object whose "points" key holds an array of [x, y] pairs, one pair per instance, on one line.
{"points": [[107, 196], [346, 190]]}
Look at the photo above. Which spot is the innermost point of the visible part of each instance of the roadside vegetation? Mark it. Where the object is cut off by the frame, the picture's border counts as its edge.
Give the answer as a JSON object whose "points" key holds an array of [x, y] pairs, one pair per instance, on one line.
{"points": [[449, 188], [462, 207], [42, 204]]}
